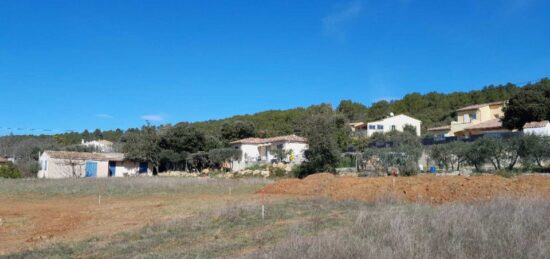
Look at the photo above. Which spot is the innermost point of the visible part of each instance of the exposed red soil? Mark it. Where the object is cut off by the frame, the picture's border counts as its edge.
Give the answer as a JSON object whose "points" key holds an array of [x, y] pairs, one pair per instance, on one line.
{"points": [[26, 222], [426, 188]]}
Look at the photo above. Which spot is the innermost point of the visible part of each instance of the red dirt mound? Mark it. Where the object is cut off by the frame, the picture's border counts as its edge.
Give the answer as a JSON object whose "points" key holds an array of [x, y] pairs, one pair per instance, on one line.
{"points": [[428, 188]]}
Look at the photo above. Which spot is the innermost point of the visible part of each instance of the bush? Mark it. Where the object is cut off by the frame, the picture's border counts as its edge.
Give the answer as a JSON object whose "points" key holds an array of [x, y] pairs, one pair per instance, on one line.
{"points": [[260, 167], [301, 171], [347, 161], [277, 172], [9, 171]]}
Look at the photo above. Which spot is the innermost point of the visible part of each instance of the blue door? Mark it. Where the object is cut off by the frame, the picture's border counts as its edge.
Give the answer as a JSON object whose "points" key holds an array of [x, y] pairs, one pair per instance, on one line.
{"points": [[91, 169], [143, 167], [112, 168]]}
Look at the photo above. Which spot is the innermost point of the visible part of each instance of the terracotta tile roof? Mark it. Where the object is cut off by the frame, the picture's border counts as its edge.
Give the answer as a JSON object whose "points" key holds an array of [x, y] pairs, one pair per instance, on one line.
{"points": [[440, 128], [535, 124], [356, 124], [477, 106], [105, 142], [490, 124], [85, 155], [288, 138]]}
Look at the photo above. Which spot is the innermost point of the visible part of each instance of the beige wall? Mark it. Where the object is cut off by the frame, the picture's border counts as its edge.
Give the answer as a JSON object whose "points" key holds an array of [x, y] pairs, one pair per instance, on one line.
{"points": [[102, 168], [65, 168], [483, 114]]}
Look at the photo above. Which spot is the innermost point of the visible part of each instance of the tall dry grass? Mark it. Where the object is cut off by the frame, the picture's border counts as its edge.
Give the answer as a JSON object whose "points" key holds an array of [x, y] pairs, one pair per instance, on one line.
{"points": [[501, 228]]}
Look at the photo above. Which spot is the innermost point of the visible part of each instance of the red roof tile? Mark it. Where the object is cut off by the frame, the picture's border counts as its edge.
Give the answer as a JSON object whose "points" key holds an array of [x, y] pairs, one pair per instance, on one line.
{"points": [[85, 155], [535, 124], [477, 106], [440, 128], [288, 138], [490, 124]]}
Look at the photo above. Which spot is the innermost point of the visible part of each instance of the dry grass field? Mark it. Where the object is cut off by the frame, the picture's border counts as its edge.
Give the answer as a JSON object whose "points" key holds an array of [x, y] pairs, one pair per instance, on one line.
{"points": [[205, 218]]}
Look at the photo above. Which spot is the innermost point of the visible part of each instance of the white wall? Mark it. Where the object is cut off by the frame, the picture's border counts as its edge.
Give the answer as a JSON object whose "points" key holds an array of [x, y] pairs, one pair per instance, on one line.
{"points": [[298, 150], [251, 153], [129, 168], [538, 131], [63, 168], [398, 121]]}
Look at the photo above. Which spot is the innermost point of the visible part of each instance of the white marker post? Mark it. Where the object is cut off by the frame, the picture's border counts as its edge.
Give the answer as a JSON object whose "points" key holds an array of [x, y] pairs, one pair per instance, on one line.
{"points": [[262, 201]]}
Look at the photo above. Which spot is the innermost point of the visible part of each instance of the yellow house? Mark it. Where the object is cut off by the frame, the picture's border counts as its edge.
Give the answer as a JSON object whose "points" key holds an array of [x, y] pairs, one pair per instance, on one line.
{"points": [[475, 119]]}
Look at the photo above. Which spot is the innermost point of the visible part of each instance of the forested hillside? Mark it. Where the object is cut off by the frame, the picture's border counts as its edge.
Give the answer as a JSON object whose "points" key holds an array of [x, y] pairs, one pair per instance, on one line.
{"points": [[431, 108], [184, 141]]}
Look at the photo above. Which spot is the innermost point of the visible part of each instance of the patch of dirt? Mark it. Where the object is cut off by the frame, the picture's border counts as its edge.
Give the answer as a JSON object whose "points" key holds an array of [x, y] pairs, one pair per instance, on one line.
{"points": [[425, 188], [26, 223]]}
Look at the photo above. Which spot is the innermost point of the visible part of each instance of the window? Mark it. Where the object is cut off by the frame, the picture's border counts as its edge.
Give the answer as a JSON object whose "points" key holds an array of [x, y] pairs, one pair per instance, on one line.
{"points": [[380, 127], [372, 127], [44, 165], [280, 146], [473, 116], [392, 127]]}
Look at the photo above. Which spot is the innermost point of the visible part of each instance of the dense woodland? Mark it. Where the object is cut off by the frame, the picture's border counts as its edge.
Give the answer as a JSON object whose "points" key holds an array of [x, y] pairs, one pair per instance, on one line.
{"points": [[204, 144]]}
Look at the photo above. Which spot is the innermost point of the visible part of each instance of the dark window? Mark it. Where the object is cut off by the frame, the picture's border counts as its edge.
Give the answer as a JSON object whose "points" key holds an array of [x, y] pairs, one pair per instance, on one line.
{"points": [[372, 127], [380, 127], [392, 127]]}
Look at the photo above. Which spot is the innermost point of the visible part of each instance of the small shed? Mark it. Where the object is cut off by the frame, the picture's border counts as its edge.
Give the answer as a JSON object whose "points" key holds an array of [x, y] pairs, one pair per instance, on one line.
{"points": [[65, 164], [541, 128]]}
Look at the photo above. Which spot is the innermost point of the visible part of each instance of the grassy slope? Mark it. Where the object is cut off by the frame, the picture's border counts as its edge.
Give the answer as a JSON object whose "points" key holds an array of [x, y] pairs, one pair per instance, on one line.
{"points": [[120, 187], [318, 228]]}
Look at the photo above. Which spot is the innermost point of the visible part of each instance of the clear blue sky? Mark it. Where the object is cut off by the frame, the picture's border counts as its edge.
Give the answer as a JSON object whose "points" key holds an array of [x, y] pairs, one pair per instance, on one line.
{"points": [[111, 64]]}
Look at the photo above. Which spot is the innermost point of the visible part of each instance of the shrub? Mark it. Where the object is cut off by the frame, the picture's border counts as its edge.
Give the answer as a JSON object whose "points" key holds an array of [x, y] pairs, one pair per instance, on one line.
{"points": [[277, 172], [9, 171]]}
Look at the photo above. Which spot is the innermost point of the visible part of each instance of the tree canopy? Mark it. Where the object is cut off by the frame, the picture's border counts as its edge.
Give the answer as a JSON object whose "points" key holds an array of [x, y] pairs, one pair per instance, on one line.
{"points": [[531, 103]]}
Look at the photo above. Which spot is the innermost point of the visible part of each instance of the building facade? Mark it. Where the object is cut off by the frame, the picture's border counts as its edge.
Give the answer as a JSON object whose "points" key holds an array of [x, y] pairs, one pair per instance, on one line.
{"points": [[64, 164], [99, 145], [397, 123], [540, 128], [262, 150], [478, 119]]}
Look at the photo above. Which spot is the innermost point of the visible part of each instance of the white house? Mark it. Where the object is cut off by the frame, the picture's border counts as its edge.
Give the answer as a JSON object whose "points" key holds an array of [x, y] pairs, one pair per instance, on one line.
{"points": [[261, 150], [64, 164], [99, 145], [541, 128], [397, 122]]}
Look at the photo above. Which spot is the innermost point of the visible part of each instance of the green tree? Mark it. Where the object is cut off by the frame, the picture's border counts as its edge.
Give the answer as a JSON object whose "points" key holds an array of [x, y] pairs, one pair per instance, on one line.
{"points": [[404, 152], [236, 130], [410, 129], [143, 145], [9, 171], [476, 154], [352, 110], [198, 161], [323, 152], [220, 156], [280, 154], [183, 137], [532, 103], [534, 149]]}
